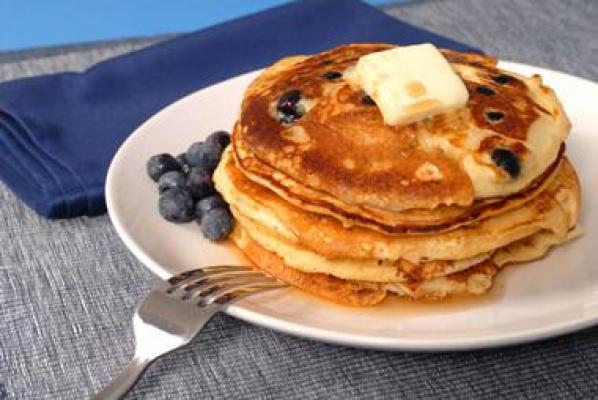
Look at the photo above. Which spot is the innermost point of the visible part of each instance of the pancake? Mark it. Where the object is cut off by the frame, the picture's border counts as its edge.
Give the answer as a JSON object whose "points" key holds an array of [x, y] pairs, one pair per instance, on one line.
{"points": [[473, 281], [387, 271], [358, 269], [478, 280], [358, 294], [555, 209], [339, 148], [333, 201], [441, 218]]}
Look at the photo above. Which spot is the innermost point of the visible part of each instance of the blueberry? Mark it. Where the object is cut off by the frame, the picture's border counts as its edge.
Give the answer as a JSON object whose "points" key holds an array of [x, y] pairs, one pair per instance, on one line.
{"points": [[182, 160], [288, 106], [502, 79], [172, 179], [367, 100], [209, 203], [485, 90], [221, 138], [204, 154], [176, 205], [494, 116], [331, 75], [289, 99], [506, 160], [217, 224], [158, 164], [199, 182]]}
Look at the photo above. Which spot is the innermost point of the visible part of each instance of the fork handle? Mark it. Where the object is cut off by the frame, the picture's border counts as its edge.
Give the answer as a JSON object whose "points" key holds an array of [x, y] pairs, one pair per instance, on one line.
{"points": [[121, 385]]}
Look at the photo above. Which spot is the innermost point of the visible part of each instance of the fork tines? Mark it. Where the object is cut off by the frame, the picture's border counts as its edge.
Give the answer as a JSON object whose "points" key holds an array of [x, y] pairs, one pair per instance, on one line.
{"points": [[219, 284]]}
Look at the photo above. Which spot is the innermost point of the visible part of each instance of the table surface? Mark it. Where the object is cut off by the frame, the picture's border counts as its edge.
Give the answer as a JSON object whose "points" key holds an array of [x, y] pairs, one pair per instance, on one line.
{"points": [[68, 288]]}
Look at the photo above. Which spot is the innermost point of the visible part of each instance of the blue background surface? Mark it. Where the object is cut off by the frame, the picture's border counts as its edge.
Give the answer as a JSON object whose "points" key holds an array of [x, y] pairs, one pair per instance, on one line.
{"points": [[34, 23]]}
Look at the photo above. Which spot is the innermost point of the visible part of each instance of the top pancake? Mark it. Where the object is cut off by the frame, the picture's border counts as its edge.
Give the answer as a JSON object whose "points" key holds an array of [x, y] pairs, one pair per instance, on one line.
{"points": [[341, 148]]}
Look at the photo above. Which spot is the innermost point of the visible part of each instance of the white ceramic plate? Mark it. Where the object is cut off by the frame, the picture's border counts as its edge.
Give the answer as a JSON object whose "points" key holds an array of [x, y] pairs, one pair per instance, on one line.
{"points": [[555, 295]]}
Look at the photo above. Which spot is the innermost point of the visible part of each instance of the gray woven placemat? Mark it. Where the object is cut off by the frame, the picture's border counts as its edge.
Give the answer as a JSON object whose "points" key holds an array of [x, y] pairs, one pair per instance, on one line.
{"points": [[68, 288]]}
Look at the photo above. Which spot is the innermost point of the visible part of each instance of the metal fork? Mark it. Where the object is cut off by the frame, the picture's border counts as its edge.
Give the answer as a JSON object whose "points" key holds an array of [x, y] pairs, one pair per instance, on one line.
{"points": [[174, 312]]}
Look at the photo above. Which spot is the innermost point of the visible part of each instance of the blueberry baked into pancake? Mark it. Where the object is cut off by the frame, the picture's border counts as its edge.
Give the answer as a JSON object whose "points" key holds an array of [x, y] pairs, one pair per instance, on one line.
{"points": [[372, 170]]}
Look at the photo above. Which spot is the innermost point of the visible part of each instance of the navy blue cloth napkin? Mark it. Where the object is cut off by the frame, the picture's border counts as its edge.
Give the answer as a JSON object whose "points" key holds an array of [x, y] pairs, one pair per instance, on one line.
{"points": [[59, 132]]}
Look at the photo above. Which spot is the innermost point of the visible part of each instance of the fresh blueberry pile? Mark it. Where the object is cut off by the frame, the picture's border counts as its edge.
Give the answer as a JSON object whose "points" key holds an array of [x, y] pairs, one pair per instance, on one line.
{"points": [[186, 187]]}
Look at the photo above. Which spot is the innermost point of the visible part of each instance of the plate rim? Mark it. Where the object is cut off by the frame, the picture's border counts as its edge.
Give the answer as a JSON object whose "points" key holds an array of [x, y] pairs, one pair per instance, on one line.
{"points": [[321, 334]]}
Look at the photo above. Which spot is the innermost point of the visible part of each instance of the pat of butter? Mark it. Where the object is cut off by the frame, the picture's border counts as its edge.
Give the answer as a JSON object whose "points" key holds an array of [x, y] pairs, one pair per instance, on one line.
{"points": [[410, 83]]}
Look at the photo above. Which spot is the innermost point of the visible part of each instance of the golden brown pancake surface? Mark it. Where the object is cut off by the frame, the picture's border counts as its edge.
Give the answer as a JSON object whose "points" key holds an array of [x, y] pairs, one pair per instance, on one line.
{"points": [[339, 145], [473, 281], [441, 218], [554, 209]]}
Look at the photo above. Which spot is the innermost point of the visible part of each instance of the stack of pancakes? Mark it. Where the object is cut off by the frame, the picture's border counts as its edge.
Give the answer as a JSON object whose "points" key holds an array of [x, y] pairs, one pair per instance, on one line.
{"points": [[335, 202]]}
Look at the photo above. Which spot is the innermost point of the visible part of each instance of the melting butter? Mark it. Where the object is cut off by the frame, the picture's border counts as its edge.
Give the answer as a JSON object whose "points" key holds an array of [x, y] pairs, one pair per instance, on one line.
{"points": [[409, 83]]}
